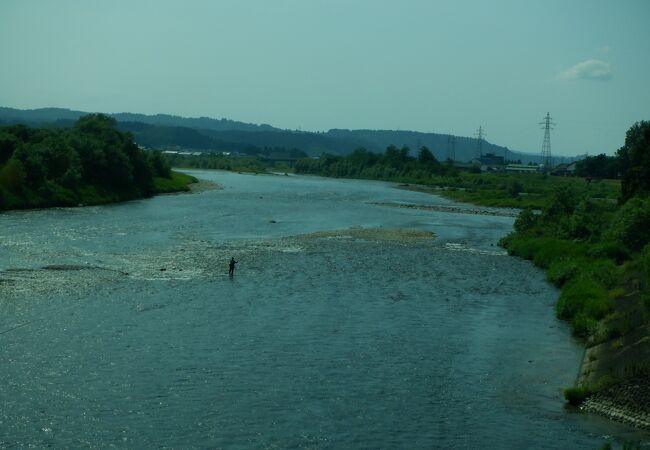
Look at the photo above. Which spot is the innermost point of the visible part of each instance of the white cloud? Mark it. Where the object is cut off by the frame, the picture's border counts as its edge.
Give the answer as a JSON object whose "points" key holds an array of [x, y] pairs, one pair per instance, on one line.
{"points": [[591, 69]]}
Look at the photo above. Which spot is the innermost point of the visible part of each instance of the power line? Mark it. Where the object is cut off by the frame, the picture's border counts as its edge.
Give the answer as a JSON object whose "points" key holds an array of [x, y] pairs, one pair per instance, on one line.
{"points": [[480, 134], [451, 148], [547, 125]]}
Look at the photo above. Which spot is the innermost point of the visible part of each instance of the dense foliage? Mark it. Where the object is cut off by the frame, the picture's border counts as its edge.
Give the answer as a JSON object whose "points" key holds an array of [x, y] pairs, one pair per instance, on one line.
{"points": [[488, 189], [635, 160], [91, 162], [595, 249], [600, 166]]}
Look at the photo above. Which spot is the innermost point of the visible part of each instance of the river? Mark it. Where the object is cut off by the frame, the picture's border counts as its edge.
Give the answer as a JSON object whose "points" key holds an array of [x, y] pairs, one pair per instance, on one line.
{"points": [[344, 326]]}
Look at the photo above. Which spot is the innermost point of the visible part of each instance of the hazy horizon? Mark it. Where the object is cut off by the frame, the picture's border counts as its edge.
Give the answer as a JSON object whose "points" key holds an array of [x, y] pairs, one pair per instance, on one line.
{"points": [[443, 67]]}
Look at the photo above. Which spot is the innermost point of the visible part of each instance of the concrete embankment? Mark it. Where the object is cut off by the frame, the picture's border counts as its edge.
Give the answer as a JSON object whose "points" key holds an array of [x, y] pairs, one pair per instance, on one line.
{"points": [[621, 365], [627, 402]]}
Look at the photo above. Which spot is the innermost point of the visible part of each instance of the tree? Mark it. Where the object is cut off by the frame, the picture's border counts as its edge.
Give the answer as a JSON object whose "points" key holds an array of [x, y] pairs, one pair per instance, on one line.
{"points": [[600, 166], [8, 143], [31, 158], [394, 157], [635, 160], [631, 225], [562, 203], [160, 165], [12, 176], [425, 156]]}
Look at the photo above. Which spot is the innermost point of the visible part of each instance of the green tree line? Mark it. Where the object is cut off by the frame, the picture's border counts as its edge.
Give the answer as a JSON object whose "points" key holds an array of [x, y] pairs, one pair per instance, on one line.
{"points": [[218, 162], [90, 163], [395, 164], [625, 164]]}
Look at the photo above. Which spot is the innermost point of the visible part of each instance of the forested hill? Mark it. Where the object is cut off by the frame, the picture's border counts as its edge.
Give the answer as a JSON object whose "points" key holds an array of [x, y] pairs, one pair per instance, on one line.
{"points": [[51, 115], [167, 132]]}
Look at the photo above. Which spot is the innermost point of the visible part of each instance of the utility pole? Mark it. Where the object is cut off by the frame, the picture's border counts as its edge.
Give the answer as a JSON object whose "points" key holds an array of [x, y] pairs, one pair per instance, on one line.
{"points": [[451, 148], [479, 141], [547, 125]]}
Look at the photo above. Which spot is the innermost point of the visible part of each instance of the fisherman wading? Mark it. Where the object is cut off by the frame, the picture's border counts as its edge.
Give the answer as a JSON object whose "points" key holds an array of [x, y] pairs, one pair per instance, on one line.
{"points": [[231, 267]]}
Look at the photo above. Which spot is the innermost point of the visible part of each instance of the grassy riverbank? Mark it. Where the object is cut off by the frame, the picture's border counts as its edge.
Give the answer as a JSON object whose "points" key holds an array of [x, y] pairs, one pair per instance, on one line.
{"points": [[177, 182], [515, 190], [598, 254], [597, 251]]}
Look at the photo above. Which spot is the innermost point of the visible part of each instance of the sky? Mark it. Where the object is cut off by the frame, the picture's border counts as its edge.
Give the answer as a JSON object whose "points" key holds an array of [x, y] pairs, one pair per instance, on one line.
{"points": [[423, 65]]}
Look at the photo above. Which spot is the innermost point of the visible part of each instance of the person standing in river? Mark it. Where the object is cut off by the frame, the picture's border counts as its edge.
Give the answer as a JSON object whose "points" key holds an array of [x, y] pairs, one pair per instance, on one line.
{"points": [[231, 269]]}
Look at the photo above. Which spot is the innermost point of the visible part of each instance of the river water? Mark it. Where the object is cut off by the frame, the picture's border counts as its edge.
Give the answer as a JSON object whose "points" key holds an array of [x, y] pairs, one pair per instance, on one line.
{"points": [[119, 325]]}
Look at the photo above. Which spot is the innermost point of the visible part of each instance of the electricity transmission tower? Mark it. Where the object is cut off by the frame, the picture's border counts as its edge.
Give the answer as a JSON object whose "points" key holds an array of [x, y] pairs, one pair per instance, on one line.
{"points": [[480, 134], [547, 125], [451, 148]]}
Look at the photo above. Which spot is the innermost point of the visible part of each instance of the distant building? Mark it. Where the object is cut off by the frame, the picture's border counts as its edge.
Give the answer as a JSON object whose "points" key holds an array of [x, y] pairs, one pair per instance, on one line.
{"points": [[177, 152], [491, 160], [489, 163], [564, 170], [521, 168]]}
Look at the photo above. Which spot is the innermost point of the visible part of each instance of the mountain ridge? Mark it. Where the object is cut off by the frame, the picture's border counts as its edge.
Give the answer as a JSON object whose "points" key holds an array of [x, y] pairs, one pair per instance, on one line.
{"points": [[210, 134]]}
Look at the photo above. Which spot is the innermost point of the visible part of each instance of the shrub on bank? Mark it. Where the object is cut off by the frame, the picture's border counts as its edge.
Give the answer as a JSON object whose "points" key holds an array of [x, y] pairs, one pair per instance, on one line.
{"points": [[577, 394], [521, 245], [543, 251], [583, 295], [631, 225], [604, 271], [550, 250], [525, 221], [614, 250], [583, 326], [584, 280], [563, 270], [177, 182]]}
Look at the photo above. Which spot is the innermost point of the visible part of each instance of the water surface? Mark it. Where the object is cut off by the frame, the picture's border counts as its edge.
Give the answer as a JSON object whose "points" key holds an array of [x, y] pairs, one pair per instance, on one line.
{"points": [[139, 339]]}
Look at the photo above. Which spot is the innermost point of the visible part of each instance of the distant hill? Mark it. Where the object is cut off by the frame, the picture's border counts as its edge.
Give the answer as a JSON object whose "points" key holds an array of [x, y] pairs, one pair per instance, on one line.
{"points": [[49, 115], [38, 116], [207, 134], [205, 123], [167, 137]]}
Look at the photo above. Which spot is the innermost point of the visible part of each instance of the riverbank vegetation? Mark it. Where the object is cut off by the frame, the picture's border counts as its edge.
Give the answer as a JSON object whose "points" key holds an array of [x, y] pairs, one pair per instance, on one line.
{"points": [[598, 253], [248, 164], [425, 173], [89, 163]]}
